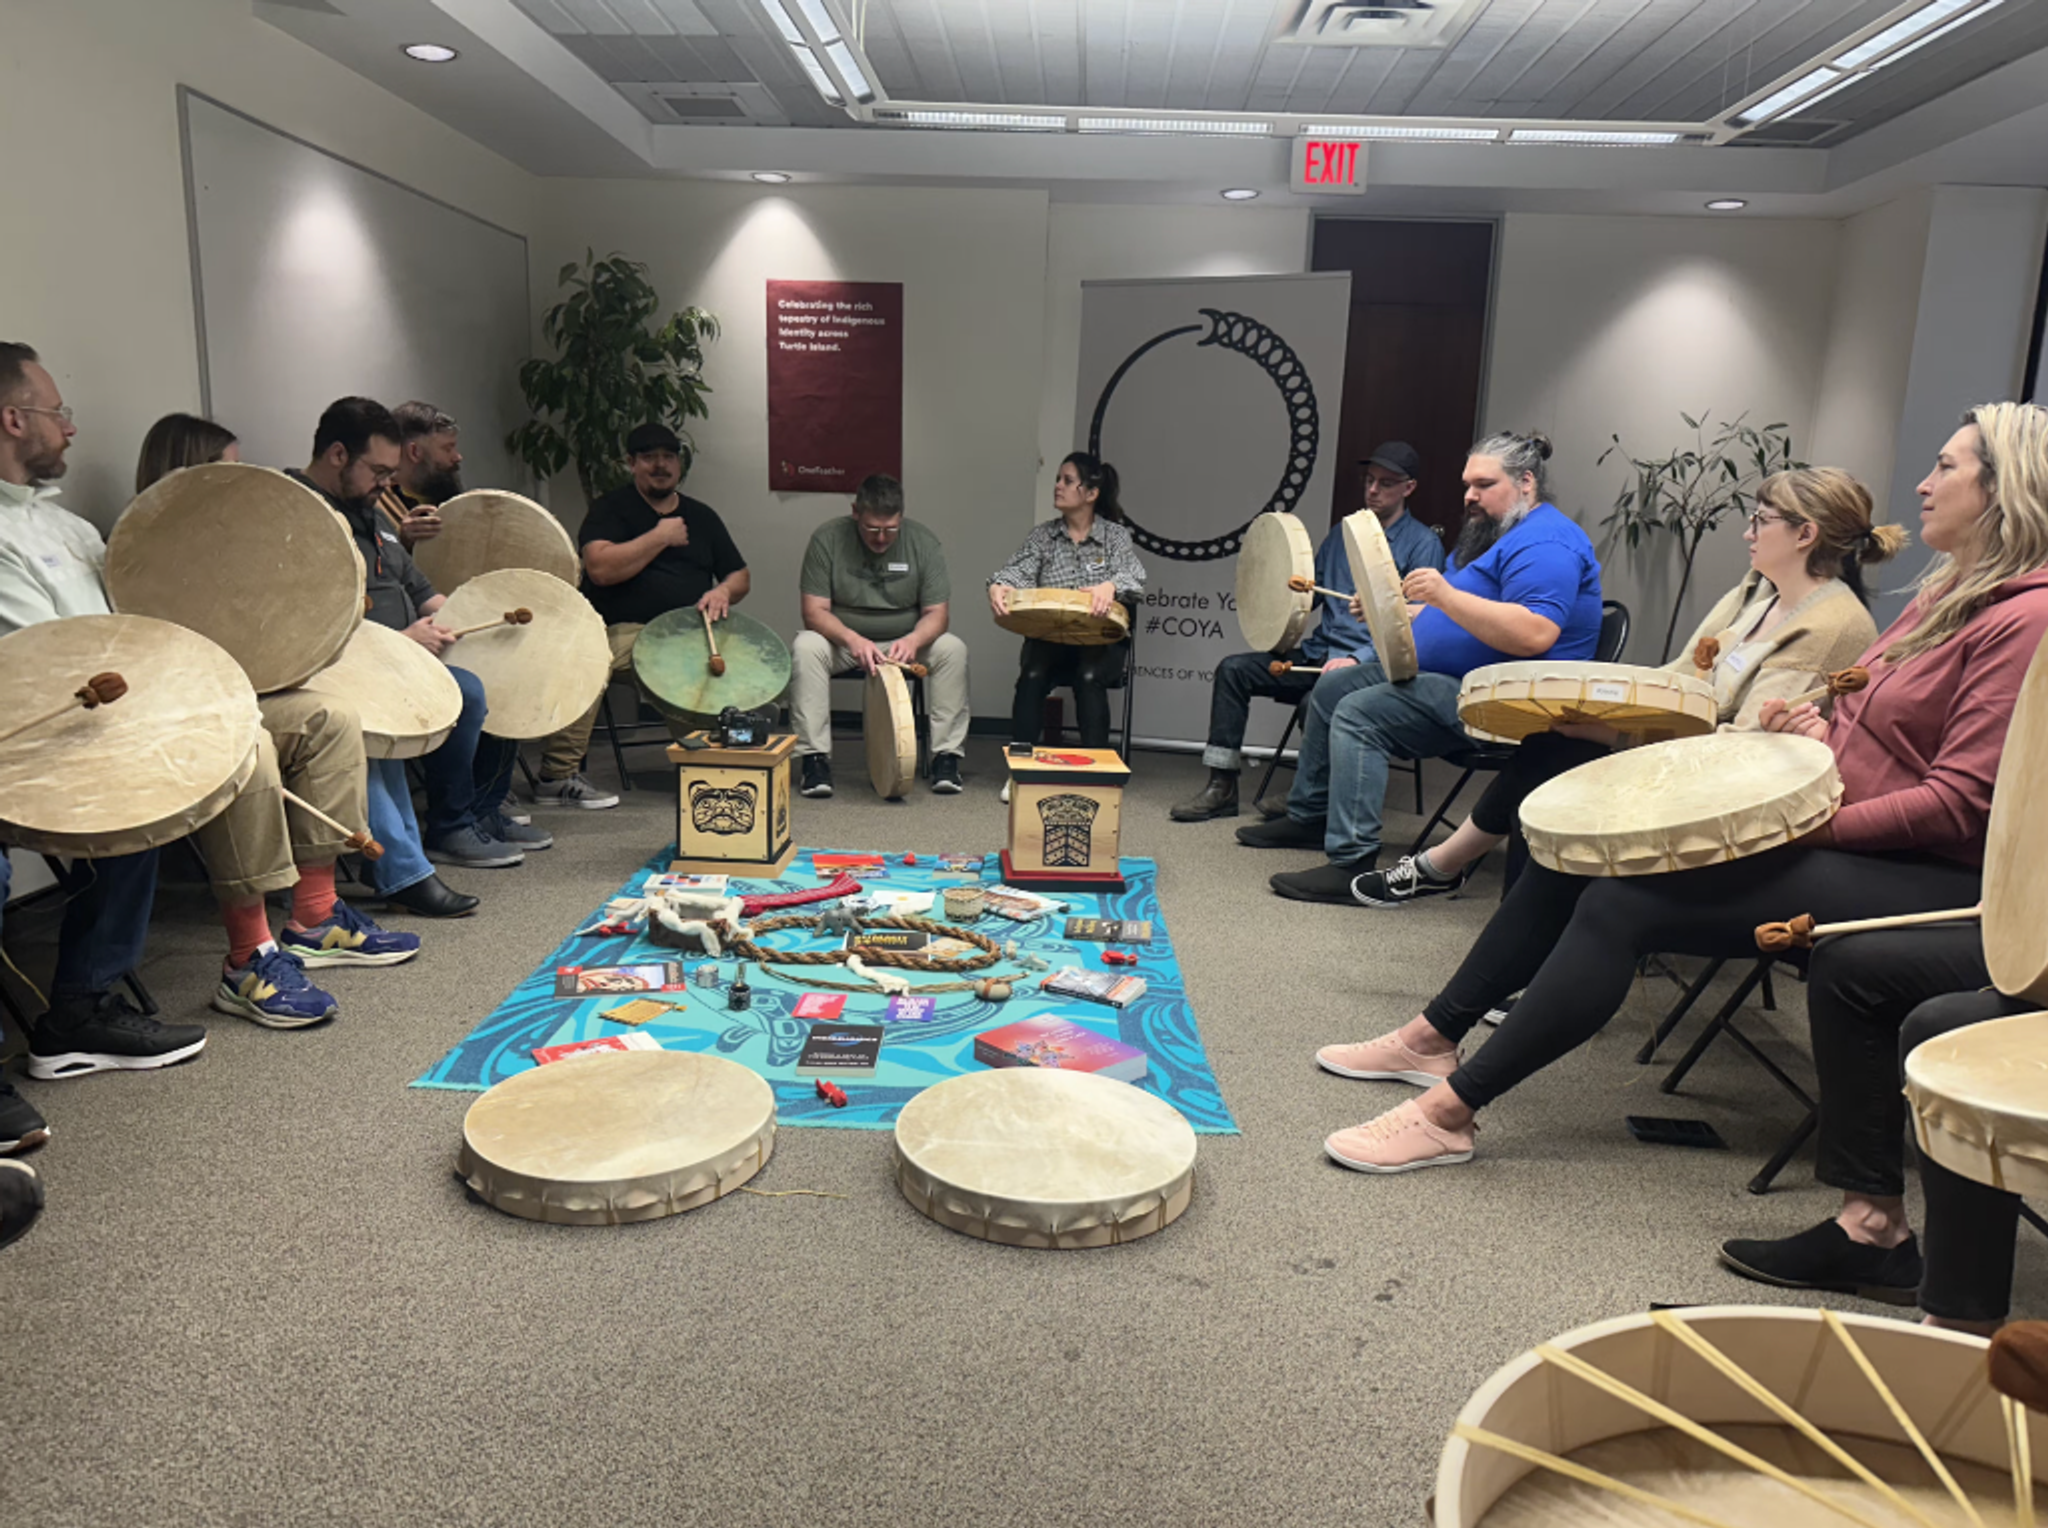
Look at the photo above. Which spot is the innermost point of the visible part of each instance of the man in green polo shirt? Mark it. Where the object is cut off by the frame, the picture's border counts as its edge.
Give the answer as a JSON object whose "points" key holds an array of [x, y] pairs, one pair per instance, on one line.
{"points": [[874, 587]]}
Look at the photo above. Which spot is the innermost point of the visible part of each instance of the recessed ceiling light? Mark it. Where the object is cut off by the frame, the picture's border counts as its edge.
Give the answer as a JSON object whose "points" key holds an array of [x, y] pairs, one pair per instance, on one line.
{"points": [[771, 177], [1726, 204], [1240, 194], [429, 52]]}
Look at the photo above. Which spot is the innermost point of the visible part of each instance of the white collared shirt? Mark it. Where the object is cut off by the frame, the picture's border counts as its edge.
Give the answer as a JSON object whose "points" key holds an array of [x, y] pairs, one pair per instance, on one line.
{"points": [[51, 561]]}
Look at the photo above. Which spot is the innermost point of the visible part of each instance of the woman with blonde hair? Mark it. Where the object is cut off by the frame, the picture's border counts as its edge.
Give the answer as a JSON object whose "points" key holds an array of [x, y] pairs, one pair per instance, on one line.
{"points": [[1799, 614], [1917, 751]]}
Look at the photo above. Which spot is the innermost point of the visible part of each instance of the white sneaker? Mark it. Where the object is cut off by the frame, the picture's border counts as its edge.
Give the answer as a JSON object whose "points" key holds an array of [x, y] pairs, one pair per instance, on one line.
{"points": [[574, 791], [1006, 792]]}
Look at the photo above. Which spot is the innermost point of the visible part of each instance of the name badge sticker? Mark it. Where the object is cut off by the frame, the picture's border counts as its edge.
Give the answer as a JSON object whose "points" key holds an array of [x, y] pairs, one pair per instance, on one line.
{"points": [[899, 567], [1737, 662], [1615, 690]]}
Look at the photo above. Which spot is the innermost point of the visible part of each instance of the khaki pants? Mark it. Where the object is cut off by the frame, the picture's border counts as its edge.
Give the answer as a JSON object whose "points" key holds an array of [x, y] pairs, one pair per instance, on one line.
{"points": [[562, 755], [315, 746], [816, 661]]}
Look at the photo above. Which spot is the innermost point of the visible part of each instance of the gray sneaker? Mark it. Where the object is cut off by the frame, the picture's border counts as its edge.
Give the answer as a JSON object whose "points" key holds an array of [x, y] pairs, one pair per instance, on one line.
{"points": [[471, 849], [574, 791], [512, 830]]}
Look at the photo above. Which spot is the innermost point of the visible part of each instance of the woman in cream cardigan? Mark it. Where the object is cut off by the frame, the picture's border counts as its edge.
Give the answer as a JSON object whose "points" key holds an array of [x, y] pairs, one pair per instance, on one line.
{"points": [[1798, 616]]}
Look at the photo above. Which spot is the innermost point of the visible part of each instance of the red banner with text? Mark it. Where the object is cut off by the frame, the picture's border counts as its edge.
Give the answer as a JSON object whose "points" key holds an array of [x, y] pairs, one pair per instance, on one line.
{"points": [[835, 383]]}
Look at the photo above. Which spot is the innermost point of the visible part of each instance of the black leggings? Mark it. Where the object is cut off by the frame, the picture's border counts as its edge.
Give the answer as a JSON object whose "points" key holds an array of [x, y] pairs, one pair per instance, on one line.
{"points": [[1970, 1225], [1537, 759], [1570, 945], [1092, 671]]}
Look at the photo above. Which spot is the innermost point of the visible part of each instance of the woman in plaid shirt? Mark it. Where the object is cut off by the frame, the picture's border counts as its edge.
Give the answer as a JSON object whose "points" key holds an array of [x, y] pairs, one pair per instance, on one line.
{"points": [[1086, 548]]}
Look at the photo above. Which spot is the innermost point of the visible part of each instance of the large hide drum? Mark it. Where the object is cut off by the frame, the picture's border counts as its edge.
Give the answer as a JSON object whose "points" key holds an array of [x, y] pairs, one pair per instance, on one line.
{"points": [[1270, 614], [540, 676], [487, 529], [406, 698], [1041, 1158], [672, 661], [1682, 804], [1377, 578], [889, 727], [616, 1136], [1062, 615], [1980, 1102], [1805, 1360], [247, 557], [1506, 702], [165, 758]]}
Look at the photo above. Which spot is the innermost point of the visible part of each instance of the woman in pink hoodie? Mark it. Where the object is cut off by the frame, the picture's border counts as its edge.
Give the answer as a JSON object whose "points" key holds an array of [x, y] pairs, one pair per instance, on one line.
{"points": [[1917, 751]]}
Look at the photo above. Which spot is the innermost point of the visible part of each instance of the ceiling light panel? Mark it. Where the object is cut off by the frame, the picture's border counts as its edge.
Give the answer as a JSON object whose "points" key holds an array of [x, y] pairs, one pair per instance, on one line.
{"points": [[1209, 127], [1445, 133], [1573, 135], [1002, 121]]}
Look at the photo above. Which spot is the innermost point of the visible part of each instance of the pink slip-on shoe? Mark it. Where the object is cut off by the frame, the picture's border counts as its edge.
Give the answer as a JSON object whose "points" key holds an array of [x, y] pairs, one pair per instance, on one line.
{"points": [[1387, 1060], [1399, 1141]]}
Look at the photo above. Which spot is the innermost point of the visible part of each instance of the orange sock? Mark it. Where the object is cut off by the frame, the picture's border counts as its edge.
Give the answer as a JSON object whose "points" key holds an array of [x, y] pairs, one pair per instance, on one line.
{"points": [[248, 926], [313, 897]]}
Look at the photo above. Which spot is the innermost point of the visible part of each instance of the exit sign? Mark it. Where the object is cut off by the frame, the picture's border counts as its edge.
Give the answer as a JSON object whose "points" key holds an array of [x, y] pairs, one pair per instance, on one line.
{"points": [[1329, 166]]}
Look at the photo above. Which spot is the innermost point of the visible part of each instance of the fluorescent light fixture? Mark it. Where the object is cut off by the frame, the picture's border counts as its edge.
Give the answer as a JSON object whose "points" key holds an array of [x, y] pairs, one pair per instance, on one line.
{"points": [[1880, 50], [429, 52], [1778, 100], [1726, 204], [1195, 126], [1363, 130], [819, 77], [1014, 121], [1240, 194], [776, 177], [791, 33], [1575, 135], [849, 72], [820, 19], [1901, 31], [1941, 31]]}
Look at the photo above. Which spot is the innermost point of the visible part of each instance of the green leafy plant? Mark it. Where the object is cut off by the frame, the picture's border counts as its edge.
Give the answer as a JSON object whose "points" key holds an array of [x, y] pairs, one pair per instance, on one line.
{"points": [[1689, 493], [613, 369]]}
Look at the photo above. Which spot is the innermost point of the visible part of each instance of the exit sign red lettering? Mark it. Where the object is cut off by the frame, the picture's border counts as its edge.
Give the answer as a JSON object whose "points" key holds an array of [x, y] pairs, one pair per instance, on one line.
{"points": [[1329, 166]]}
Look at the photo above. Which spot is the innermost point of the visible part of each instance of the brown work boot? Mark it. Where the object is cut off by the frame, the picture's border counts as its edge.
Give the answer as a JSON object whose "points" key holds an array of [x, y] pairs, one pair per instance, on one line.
{"points": [[1218, 799]]}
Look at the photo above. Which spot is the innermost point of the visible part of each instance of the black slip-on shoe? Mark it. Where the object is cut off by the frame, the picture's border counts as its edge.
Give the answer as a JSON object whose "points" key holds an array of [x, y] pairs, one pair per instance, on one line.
{"points": [[1824, 1258], [1282, 833], [1325, 883]]}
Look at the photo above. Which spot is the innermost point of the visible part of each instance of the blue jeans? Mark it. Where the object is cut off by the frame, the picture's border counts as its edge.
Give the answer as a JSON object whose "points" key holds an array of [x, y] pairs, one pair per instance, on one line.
{"points": [[1309, 798], [105, 924], [451, 769], [392, 824], [1416, 719]]}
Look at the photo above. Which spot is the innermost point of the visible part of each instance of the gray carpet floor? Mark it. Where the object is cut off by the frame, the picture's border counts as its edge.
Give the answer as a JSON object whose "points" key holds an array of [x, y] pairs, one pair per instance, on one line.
{"points": [[261, 1297]]}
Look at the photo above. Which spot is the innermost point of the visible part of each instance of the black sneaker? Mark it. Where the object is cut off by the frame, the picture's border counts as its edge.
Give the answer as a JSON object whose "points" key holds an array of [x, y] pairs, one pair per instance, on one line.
{"points": [[1283, 833], [1405, 882], [21, 1128], [818, 775], [21, 1199], [72, 1040], [945, 774], [1824, 1258]]}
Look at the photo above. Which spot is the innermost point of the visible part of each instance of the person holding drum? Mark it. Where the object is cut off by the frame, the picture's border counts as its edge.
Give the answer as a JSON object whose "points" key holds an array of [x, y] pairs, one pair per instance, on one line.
{"points": [[648, 548], [875, 591], [1087, 548], [1524, 583], [1916, 752], [1340, 640], [429, 473], [1799, 615]]}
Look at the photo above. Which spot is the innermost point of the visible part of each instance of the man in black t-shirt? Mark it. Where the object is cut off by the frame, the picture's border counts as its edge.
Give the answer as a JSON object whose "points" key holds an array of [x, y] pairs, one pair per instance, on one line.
{"points": [[647, 549]]}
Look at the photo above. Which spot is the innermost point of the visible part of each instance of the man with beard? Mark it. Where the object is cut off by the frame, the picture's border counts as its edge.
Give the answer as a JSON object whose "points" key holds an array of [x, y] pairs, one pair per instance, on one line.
{"points": [[429, 472], [356, 455], [1339, 642], [1524, 583], [648, 549]]}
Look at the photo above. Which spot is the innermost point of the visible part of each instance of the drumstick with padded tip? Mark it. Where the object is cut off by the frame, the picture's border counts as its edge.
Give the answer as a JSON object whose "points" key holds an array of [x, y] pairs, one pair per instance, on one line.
{"points": [[717, 663], [1281, 666], [1705, 654], [520, 617], [357, 840], [909, 668], [1843, 682], [1302, 585], [100, 690], [1799, 933]]}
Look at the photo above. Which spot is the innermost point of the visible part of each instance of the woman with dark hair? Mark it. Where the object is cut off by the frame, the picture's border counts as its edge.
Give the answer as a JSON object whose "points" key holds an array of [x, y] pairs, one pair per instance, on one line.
{"points": [[1086, 548], [183, 440]]}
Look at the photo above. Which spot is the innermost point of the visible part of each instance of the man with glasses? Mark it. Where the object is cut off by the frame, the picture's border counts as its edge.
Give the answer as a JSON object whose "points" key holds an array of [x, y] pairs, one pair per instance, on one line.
{"points": [[648, 548], [1338, 641]]}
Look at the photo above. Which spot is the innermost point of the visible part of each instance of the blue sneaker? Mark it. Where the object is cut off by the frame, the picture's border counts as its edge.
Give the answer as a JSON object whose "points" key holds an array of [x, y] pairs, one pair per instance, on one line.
{"points": [[272, 990], [348, 938]]}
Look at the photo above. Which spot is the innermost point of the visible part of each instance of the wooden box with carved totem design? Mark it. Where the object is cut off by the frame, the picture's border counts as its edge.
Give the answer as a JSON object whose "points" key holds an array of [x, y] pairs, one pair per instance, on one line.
{"points": [[1066, 810], [732, 809]]}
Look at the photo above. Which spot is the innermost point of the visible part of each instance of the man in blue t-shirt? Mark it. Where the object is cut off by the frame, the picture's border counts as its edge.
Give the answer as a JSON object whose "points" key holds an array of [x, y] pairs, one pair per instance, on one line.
{"points": [[1339, 641], [1525, 583]]}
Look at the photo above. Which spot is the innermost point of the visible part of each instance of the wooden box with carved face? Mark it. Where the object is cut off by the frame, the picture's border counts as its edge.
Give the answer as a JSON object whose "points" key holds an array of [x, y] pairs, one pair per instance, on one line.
{"points": [[1066, 812], [732, 809]]}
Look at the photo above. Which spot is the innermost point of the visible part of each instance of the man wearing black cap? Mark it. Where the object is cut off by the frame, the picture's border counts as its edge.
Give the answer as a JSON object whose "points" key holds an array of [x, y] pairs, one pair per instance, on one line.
{"points": [[647, 549], [1338, 641]]}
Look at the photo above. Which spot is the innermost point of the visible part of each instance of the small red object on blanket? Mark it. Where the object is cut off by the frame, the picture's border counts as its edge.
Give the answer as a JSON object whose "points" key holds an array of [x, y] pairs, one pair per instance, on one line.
{"points": [[832, 1093], [910, 859], [1118, 958]]}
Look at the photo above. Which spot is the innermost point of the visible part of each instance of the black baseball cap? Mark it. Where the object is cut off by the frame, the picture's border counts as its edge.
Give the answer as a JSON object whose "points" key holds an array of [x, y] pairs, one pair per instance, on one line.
{"points": [[1395, 456], [652, 437]]}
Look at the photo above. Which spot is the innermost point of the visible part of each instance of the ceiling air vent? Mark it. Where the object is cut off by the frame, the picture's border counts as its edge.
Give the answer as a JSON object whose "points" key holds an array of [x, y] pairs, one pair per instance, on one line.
{"points": [[724, 104], [1384, 24], [705, 108]]}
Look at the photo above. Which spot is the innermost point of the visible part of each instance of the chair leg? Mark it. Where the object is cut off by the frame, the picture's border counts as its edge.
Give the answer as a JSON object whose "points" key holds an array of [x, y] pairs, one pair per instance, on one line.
{"points": [[1712, 1032], [1443, 809], [526, 769], [1273, 764], [611, 731], [1782, 1157], [1679, 1010]]}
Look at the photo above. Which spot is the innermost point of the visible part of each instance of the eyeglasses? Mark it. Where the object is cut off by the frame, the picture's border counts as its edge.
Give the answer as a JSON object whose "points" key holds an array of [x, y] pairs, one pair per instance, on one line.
{"points": [[62, 411], [1760, 518]]}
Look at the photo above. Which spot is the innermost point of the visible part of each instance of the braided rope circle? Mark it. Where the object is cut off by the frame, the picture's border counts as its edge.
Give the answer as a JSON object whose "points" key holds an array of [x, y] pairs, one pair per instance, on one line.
{"points": [[905, 960], [1253, 340]]}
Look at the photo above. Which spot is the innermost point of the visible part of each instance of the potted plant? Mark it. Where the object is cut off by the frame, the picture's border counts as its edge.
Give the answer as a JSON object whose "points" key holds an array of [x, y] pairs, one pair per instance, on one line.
{"points": [[1688, 493], [613, 369]]}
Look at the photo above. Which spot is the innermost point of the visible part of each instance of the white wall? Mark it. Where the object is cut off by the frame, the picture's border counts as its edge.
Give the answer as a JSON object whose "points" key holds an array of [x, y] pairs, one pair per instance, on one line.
{"points": [[972, 264], [97, 271], [1614, 325]]}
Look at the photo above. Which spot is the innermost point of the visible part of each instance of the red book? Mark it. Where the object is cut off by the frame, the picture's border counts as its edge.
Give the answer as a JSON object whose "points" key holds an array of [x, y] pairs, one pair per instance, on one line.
{"points": [[1050, 1040], [632, 1042]]}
